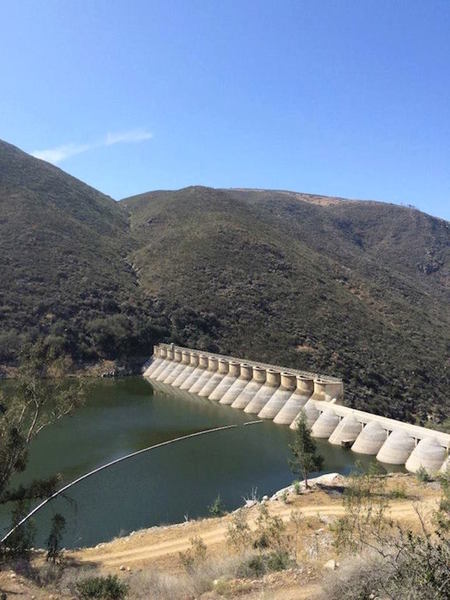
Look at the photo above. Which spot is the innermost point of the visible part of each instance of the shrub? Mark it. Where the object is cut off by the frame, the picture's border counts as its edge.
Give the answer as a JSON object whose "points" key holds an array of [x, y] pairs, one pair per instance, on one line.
{"points": [[55, 537], [279, 560], [393, 562], [422, 475], [217, 508], [238, 533], [194, 555], [398, 493], [254, 567], [21, 540], [269, 530], [102, 588]]}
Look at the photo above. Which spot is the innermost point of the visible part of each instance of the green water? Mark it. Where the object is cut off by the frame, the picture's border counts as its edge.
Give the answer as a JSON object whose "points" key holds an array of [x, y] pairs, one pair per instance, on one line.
{"points": [[167, 484]]}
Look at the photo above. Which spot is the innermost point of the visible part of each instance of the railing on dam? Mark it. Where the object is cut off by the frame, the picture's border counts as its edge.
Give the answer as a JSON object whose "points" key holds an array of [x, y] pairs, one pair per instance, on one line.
{"points": [[258, 364], [282, 395]]}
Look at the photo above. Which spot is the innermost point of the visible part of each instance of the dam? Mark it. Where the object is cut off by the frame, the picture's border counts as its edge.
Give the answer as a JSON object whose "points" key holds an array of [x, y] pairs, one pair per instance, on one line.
{"points": [[282, 395]]}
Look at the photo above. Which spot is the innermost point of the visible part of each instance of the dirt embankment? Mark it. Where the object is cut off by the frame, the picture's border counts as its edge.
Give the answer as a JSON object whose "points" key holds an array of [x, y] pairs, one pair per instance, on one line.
{"points": [[158, 549]]}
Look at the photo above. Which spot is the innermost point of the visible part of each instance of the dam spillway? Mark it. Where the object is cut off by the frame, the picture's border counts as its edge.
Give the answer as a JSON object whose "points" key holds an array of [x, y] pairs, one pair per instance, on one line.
{"points": [[283, 395]]}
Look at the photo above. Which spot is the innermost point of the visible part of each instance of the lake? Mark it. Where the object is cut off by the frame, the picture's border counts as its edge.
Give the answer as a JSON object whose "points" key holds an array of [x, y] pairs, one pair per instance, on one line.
{"points": [[165, 485]]}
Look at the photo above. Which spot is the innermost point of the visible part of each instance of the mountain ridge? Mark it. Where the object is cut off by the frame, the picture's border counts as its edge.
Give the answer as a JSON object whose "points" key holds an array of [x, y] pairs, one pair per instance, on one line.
{"points": [[352, 288]]}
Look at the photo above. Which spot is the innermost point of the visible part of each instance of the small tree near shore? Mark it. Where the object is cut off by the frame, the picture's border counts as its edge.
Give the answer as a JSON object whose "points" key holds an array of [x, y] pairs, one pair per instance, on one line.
{"points": [[305, 457]]}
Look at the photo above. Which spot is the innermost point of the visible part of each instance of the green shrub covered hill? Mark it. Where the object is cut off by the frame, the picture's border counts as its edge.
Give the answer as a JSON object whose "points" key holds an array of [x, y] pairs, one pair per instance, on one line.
{"points": [[351, 288]]}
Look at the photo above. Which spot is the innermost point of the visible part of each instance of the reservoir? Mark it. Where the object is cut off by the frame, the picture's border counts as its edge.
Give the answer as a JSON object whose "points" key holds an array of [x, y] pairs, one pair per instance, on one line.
{"points": [[168, 484]]}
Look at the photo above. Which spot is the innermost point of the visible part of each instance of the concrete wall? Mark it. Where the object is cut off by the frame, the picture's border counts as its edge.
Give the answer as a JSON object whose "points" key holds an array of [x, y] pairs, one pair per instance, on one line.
{"points": [[271, 392], [245, 375], [234, 370], [302, 393], [189, 369], [251, 389], [288, 384]]}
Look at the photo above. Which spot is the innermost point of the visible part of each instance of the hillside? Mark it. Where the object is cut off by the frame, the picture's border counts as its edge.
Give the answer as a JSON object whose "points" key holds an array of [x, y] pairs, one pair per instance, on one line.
{"points": [[349, 288], [65, 277]]}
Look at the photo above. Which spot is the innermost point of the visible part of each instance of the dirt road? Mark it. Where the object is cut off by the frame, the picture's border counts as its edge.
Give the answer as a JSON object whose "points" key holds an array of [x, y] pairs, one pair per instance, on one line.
{"points": [[159, 545]]}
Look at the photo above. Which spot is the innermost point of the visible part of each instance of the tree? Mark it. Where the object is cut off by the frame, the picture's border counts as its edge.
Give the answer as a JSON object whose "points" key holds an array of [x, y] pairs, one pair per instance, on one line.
{"points": [[34, 403], [305, 457], [55, 537]]}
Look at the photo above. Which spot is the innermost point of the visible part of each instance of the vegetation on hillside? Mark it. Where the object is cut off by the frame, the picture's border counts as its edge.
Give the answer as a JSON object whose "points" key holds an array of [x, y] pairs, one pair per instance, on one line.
{"points": [[65, 276], [353, 289]]}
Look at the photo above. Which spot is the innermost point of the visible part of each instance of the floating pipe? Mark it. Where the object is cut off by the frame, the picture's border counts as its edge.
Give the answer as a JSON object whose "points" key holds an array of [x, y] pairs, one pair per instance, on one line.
{"points": [[169, 366], [162, 364], [218, 376], [177, 366], [208, 373], [183, 376], [246, 374], [397, 448], [261, 397], [428, 454], [251, 389], [346, 432], [370, 440], [115, 462], [234, 370], [195, 376], [296, 401], [157, 360], [326, 390], [280, 397], [311, 413], [325, 425]]}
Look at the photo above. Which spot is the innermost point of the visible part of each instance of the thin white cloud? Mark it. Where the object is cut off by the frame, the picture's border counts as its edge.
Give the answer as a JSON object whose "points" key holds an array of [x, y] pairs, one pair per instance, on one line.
{"points": [[61, 153], [129, 137]]}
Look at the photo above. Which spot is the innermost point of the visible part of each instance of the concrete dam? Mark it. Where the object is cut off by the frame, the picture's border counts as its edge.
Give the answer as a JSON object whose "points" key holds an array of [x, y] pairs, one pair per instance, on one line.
{"points": [[282, 395]]}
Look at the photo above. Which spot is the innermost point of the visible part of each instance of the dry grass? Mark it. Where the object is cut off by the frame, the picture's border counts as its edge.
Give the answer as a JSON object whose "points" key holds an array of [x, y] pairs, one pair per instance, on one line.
{"points": [[213, 573]]}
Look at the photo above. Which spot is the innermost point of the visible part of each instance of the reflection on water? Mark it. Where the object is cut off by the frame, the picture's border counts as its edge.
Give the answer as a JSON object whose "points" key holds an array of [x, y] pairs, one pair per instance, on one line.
{"points": [[168, 483]]}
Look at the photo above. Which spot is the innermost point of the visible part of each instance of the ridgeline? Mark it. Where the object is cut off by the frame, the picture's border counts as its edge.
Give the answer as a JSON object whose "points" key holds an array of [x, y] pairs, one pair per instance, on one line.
{"points": [[355, 289]]}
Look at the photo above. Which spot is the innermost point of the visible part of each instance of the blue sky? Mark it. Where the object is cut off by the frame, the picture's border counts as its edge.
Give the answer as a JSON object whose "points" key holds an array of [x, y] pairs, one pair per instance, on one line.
{"points": [[346, 98]]}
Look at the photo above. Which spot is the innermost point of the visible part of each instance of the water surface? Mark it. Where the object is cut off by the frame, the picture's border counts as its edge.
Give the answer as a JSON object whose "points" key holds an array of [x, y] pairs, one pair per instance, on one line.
{"points": [[165, 485]]}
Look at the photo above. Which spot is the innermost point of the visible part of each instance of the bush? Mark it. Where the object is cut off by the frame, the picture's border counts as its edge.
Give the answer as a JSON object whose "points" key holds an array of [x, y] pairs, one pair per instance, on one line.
{"points": [[260, 564], [270, 530], [279, 560], [239, 533], [55, 537], [393, 562], [422, 475], [398, 493], [217, 508], [195, 555], [409, 568], [102, 588], [254, 567]]}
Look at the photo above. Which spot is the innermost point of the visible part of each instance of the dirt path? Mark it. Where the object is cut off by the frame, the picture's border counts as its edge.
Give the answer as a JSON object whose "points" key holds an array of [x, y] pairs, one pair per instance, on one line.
{"points": [[144, 553], [161, 543]]}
